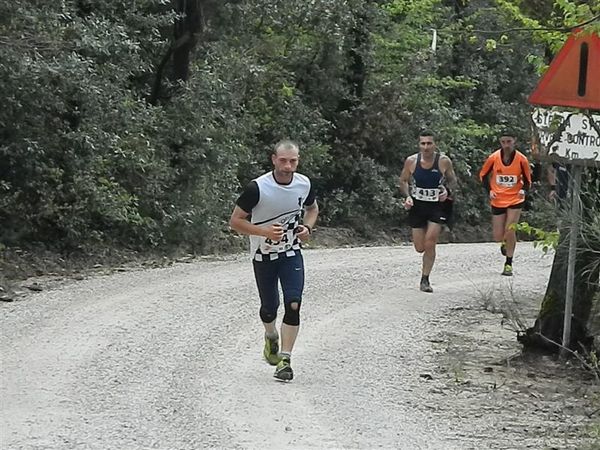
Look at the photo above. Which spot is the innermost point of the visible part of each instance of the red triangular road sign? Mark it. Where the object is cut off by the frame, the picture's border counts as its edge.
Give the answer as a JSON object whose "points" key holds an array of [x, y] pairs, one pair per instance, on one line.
{"points": [[573, 78]]}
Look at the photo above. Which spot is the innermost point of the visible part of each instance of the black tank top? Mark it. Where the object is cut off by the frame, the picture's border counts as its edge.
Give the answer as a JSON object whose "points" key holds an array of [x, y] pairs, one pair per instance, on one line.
{"points": [[427, 182], [428, 178]]}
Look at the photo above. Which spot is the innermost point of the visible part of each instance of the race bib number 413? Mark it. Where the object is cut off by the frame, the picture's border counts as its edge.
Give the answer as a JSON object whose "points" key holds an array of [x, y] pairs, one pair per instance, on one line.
{"points": [[427, 194], [506, 180]]}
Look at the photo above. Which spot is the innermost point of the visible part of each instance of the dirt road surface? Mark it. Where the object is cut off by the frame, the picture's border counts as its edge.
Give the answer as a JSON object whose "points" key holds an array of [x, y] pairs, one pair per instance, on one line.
{"points": [[170, 358]]}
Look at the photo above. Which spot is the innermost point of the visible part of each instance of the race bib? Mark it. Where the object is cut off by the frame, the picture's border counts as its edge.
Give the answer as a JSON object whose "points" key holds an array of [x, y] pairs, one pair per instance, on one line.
{"points": [[285, 244], [426, 194], [506, 180]]}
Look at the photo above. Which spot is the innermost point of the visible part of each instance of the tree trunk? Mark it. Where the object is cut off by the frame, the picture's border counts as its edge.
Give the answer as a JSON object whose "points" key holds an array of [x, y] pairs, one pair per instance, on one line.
{"points": [[548, 327], [185, 33], [190, 24], [356, 75], [547, 331], [357, 67]]}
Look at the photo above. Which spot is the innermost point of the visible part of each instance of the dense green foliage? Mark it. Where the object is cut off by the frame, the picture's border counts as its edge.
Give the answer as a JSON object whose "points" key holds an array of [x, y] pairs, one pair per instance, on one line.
{"points": [[137, 123]]}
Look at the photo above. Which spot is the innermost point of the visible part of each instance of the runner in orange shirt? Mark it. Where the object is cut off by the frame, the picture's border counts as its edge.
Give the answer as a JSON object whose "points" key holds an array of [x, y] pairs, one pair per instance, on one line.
{"points": [[507, 177]]}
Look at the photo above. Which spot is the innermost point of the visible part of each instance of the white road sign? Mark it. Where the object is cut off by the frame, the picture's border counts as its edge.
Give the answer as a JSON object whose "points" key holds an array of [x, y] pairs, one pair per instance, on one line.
{"points": [[568, 135]]}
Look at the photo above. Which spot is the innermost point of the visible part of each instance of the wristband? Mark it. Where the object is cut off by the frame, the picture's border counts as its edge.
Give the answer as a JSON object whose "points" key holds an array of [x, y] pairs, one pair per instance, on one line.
{"points": [[309, 228], [553, 187]]}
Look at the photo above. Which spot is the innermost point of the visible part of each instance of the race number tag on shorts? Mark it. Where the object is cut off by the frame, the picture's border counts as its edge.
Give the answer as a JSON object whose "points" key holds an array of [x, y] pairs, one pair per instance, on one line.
{"points": [[426, 194], [269, 246], [506, 180]]}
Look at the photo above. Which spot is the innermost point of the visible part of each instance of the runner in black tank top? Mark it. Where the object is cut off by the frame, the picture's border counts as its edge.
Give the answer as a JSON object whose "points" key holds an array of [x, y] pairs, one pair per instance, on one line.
{"points": [[427, 183], [424, 200]]}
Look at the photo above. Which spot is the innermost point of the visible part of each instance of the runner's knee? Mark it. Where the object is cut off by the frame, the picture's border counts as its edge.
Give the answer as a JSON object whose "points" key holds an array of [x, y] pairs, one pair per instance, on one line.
{"points": [[509, 232], [292, 313], [267, 315], [430, 244]]}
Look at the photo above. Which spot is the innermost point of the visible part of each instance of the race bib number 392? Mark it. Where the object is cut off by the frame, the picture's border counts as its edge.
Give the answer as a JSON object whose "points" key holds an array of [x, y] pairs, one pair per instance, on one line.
{"points": [[506, 180]]}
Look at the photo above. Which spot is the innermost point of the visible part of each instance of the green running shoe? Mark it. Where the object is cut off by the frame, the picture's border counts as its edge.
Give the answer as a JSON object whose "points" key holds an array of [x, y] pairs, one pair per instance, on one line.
{"points": [[507, 272], [283, 371], [271, 351], [503, 248]]}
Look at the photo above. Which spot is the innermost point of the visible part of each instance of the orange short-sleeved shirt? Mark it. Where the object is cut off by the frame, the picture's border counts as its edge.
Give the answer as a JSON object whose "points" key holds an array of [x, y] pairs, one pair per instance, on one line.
{"points": [[506, 181]]}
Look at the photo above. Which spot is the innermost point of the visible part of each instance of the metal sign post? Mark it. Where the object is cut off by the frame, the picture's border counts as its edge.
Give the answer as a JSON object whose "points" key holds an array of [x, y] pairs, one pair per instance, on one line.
{"points": [[573, 236]]}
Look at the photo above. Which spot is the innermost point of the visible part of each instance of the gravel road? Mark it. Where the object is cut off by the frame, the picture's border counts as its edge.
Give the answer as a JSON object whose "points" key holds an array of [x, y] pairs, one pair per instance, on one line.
{"points": [[170, 358]]}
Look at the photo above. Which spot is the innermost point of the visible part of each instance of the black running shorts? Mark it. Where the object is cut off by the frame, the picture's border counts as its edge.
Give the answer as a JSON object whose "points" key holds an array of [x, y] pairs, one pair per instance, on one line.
{"points": [[499, 211], [423, 212]]}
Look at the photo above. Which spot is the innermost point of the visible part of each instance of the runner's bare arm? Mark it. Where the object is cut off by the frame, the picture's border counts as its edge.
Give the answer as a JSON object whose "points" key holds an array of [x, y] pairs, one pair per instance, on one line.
{"points": [[310, 214], [240, 223], [449, 174], [405, 175]]}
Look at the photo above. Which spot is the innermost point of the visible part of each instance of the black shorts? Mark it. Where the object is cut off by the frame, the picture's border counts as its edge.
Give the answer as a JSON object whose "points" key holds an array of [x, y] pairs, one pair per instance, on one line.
{"points": [[499, 211], [423, 212]]}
